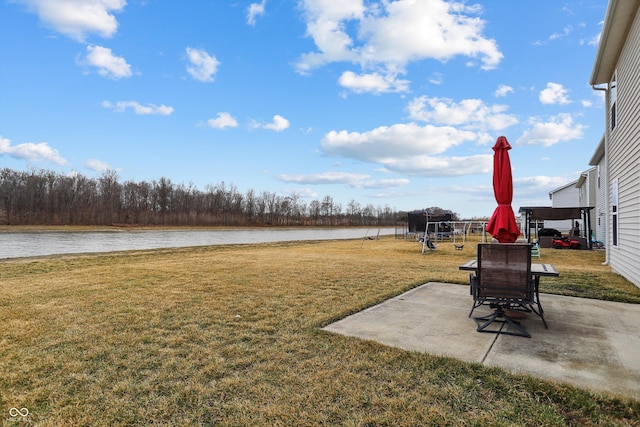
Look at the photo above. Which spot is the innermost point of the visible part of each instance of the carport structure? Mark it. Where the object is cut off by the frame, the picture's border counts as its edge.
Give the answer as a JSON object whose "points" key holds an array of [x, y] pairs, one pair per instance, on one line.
{"points": [[541, 213]]}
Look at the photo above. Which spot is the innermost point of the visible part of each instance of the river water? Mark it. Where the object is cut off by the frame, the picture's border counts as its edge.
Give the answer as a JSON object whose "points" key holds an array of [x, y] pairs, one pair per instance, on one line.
{"points": [[31, 244]]}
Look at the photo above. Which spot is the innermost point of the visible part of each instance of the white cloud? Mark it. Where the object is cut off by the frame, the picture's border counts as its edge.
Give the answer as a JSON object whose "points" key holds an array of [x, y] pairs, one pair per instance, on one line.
{"points": [[557, 129], [534, 190], [31, 152], [385, 143], [97, 165], [77, 19], [471, 114], [437, 29], [202, 66], [373, 82], [302, 192], [436, 79], [254, 10], [554, 93], [600, 96], [326, 25], [540, 183], [324, 178], [139, 109], [565, 32], [417, 149], [107, 63], [223, 120], [385, 183], [442, 166], [503, 90], [279, 124], [392, 34], [353, 180]]}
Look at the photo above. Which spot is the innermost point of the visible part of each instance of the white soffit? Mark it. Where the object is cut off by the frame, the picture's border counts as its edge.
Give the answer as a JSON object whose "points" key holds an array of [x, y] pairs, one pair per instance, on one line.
{"points": [[617, 22]]}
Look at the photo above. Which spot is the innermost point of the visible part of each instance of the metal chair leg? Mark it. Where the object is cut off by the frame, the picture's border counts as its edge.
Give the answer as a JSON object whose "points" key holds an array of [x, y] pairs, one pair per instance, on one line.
{"points": [[484, 322]]}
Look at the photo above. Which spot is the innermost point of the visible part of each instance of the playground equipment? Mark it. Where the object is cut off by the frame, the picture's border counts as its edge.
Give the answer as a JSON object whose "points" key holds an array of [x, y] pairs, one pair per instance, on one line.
{"points": [[426, 243], [430, 230], [465, 227], [367, 237], [456, 232]]}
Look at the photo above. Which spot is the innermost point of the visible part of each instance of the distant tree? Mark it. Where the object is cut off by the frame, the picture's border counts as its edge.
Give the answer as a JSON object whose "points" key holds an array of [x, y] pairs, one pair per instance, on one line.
{"points": [[46, 197], [435, 210], [250, 206]]}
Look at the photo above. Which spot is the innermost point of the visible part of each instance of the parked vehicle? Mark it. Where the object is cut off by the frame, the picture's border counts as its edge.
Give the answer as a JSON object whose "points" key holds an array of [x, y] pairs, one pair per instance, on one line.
{"points": [[549, 232], [565, 242]]}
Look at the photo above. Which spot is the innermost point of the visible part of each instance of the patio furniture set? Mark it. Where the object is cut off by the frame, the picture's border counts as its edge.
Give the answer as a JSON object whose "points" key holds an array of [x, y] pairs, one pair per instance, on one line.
{"points": [[506, 280]]}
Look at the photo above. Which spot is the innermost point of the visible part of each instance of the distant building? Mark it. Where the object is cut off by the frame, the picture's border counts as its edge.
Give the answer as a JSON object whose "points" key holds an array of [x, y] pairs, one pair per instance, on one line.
{"points": [[567, 196], [587, 198], [599, 215]]}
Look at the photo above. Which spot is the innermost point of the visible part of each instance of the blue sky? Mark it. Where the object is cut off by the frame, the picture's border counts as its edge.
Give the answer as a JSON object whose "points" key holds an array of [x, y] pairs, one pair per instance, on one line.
{"points": [[392, 103]]}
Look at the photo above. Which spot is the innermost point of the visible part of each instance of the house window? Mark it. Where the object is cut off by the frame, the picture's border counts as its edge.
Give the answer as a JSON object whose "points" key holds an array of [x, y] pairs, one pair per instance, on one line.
{"points": [[613, 98], [614, 212], [598, 176]]}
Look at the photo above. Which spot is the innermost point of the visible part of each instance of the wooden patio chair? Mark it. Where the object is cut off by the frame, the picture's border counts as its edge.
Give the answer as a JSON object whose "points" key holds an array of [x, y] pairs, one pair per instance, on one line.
{"points": [[504, 282]]}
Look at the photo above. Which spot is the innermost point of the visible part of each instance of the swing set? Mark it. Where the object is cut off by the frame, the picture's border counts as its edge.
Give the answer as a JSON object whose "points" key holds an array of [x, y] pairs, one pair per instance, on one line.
{"points": [[456, 232], [465, 228], [432, 230]]}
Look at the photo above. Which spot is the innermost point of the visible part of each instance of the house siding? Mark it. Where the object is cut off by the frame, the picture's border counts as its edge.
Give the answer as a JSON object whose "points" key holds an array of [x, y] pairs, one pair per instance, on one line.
{"points": [[624, 159], [600, 212], [600, 183], [566, 197], [588, 199]]}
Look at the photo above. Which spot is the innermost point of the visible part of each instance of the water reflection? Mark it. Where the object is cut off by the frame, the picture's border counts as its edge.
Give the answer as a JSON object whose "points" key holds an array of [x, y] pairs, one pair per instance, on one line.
{"points": [[17, 245]]}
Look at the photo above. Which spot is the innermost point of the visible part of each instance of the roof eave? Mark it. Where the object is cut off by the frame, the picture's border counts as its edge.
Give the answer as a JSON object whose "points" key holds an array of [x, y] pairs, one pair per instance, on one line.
{"points": [[580, 182], [618, 20], [598, 154], [571, 184]]}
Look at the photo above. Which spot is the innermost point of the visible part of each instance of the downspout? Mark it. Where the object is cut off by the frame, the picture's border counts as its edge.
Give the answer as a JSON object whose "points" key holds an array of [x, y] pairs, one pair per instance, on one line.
{"points": [[606, 166]]}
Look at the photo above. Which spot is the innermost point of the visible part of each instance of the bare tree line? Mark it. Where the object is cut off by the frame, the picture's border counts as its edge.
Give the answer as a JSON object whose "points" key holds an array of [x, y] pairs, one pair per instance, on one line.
{"points": [[45, 197]]}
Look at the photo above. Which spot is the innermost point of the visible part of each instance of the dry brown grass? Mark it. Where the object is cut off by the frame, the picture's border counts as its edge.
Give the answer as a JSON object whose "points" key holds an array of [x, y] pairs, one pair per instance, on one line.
{"points": [[229, 335]]}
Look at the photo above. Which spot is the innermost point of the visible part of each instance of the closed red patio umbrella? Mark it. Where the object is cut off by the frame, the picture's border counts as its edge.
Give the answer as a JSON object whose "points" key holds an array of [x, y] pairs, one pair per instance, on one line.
{"points": [[502, 225]]}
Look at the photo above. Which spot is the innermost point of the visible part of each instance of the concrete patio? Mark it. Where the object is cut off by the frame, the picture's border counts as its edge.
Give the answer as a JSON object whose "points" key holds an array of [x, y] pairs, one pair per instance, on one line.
{"points": [[590, 343]]}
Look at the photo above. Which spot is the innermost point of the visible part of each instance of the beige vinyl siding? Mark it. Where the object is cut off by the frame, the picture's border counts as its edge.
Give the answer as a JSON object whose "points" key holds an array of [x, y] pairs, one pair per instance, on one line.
{"points": [[566, 197], [624, 159], [600, 212], [592, 200]]}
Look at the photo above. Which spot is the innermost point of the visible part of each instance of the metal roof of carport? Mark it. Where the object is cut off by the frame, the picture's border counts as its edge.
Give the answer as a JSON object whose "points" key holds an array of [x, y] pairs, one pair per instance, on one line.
{"points": [[546, 212], [541, 213]]}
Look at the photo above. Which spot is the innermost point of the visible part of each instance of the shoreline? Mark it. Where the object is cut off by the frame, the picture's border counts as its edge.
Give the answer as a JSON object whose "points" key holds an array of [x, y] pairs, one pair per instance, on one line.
{"points": [[35, 241], [133, 227]]}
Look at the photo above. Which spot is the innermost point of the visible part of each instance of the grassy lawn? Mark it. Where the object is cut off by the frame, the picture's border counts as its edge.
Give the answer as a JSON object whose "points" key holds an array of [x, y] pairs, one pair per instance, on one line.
{"points": [[229, 336]]}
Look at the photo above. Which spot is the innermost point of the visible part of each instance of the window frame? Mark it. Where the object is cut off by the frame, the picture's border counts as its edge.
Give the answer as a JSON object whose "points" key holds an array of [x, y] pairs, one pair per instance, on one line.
{"points": [[613, 101]]}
